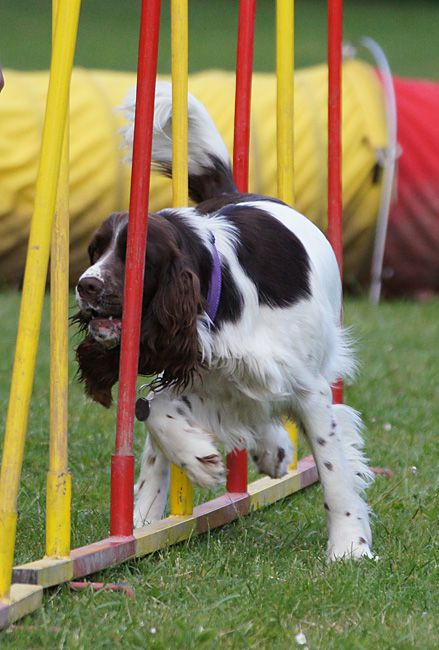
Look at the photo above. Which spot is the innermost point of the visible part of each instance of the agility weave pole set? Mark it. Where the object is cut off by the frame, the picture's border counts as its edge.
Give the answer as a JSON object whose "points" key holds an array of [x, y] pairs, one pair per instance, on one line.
{"points": [[21, 587]]}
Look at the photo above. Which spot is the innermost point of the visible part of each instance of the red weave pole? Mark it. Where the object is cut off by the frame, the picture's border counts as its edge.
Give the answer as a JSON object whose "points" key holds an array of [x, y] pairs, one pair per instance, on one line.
{"points": [[237, 460], [335, 216], [122, 462], [335, 203], [244, 69]]}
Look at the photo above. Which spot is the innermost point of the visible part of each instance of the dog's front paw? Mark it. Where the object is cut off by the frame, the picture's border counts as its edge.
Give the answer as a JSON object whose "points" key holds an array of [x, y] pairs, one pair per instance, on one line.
{"points": [[140, 519], [143, 516], [149, 505], [207, 471], [274, 462]]}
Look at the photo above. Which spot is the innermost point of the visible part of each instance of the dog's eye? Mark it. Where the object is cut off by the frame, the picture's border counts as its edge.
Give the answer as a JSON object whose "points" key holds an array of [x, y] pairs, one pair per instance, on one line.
{"points": [[121, 244], [93, 253], [97, 247]]}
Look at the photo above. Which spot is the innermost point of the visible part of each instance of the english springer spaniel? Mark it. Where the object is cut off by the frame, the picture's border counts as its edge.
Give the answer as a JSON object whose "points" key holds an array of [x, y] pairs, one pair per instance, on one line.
{"points": [[240, 324]]}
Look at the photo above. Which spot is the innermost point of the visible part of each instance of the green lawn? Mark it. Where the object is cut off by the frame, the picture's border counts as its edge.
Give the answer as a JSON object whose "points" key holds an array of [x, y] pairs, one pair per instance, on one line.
{"points": [[261, 580], [108, 33], [258, 582]]}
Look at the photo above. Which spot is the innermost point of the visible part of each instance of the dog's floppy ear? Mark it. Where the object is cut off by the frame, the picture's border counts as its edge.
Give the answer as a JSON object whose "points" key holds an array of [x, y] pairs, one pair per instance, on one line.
{"points": [[98, 369], [170, 329]]}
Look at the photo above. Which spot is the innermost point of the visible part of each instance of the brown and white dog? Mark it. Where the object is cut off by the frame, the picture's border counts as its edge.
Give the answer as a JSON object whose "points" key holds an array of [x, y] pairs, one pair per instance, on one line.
{"points": [[272, 348]]}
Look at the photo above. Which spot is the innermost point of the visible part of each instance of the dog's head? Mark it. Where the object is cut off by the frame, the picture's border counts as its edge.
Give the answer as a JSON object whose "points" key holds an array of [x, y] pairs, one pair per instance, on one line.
{"points": [[171, 302]]}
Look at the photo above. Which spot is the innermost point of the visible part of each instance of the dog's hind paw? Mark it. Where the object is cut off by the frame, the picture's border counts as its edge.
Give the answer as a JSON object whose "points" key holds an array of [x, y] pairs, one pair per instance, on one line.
{"points": [[352, 550]]}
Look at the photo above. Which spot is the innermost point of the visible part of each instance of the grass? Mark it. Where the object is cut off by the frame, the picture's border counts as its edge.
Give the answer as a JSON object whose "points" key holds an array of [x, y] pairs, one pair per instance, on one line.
{"points": [[108, 33], [261, 580]]}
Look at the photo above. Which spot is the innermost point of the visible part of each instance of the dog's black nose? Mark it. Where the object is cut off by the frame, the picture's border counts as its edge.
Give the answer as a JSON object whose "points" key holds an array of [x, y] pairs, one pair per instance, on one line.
{"points": [[90, 287]]}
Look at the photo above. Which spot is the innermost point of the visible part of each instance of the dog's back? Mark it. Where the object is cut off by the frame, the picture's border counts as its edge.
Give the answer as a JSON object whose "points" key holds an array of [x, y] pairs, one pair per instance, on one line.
{"points": [[212, 188]]}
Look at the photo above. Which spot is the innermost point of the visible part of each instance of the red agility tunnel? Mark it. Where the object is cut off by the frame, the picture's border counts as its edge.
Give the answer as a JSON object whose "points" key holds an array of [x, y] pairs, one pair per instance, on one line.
{"points": [[411, 260]]}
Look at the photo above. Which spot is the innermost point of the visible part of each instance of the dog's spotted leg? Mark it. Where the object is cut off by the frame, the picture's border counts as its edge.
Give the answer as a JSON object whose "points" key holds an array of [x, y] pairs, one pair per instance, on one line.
{"points": [[274, 450], [336, 444], [151, 489], [184, 441]]}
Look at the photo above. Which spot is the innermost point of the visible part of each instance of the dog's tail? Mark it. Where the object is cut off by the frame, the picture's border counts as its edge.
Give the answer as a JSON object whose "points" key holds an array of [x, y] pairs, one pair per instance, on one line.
{"points": [[210, 172]]}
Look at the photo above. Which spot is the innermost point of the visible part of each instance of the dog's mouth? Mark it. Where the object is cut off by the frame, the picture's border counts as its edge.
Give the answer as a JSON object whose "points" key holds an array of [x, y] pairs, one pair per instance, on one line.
{"points": [[103, 327], [101, 318], [106, 330]]}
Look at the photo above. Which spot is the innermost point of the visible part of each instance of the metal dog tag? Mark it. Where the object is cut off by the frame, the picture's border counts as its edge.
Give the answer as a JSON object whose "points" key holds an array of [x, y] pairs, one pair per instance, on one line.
{"points": [[142, 409]]}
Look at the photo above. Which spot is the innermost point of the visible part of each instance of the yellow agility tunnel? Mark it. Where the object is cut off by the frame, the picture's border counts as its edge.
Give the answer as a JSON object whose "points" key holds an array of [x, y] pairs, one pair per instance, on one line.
{"points": [[99, 177]]}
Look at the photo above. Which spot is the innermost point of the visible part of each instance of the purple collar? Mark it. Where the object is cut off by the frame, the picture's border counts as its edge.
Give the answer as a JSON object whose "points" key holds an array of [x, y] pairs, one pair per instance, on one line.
{"points": [[214, 293]]}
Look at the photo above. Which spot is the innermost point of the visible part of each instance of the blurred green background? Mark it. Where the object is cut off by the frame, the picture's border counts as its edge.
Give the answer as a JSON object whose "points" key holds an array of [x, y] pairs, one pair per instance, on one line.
{"points": [[407, 30]]}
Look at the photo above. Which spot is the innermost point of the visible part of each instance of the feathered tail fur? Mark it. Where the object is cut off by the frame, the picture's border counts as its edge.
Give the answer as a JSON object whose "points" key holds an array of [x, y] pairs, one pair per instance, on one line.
{"points": [[209, 166]]}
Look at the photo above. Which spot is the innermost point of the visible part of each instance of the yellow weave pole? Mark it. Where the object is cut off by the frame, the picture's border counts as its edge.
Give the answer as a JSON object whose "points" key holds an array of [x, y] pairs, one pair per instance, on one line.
{"points": [[34, 283], [59, 480], [181, 488], [285, 126], [285, 99]]}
